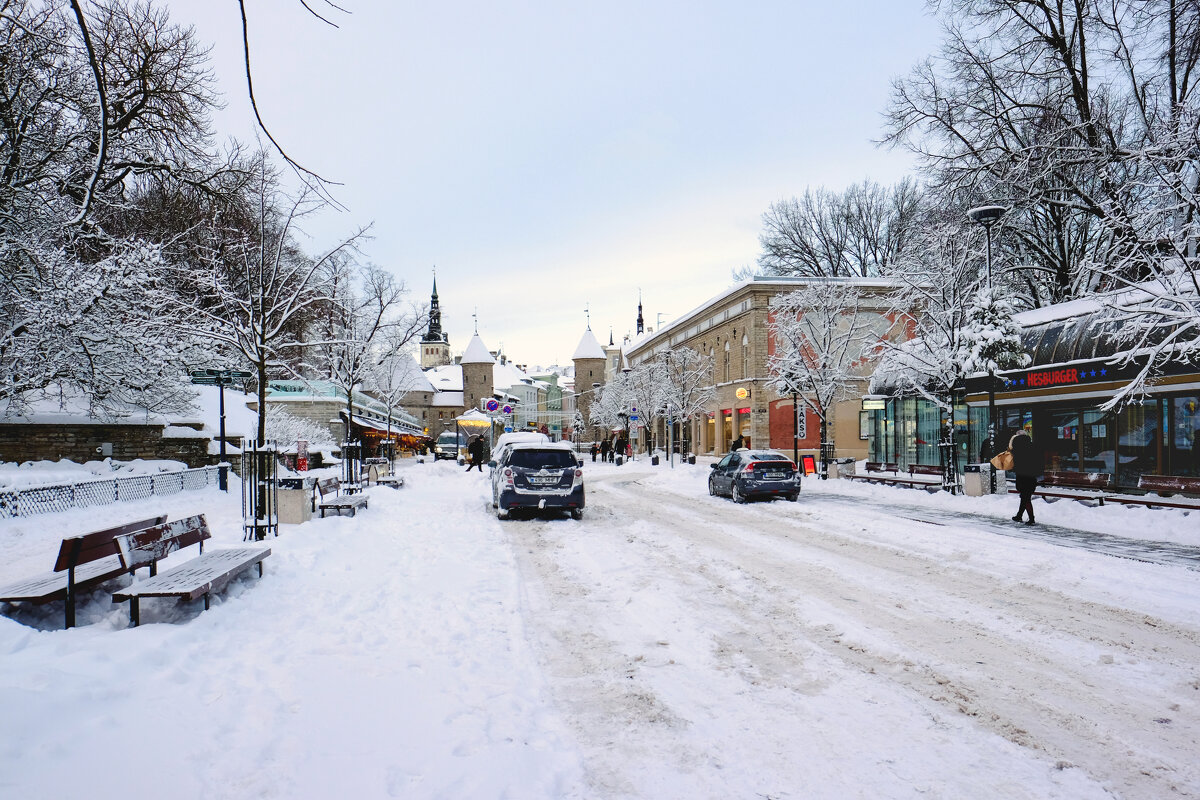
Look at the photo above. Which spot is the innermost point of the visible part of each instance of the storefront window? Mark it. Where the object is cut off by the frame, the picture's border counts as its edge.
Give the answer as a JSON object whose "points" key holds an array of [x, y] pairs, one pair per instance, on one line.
{"points": [[1184, 456], [1061, 446], [1096, 441], [1137, 442]]}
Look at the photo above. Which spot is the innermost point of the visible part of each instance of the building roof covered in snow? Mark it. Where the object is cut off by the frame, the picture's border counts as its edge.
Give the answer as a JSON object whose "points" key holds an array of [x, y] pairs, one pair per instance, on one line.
{"points": [[477, 352], [588, 347]]}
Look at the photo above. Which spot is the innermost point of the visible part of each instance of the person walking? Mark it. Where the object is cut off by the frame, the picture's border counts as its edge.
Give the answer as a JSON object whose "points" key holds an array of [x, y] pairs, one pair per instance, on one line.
{"points": [[595, 451], [738, 444], [605, 449], [475, 450], [1027, 465]]}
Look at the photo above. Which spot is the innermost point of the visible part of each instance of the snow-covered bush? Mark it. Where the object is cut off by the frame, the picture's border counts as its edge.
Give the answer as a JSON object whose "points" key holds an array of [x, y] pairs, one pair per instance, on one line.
{"points": [[991, 340], [286, 429]]}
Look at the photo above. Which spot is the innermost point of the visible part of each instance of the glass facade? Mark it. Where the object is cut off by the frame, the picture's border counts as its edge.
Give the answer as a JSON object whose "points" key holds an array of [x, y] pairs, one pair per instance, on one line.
{"points": [[1158, 436]]}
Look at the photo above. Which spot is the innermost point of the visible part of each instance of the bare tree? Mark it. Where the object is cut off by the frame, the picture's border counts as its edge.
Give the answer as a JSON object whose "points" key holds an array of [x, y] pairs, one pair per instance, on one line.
{"points": [[855, 233], [819, 339], [688, 385], [364, 311], [252, 288]]}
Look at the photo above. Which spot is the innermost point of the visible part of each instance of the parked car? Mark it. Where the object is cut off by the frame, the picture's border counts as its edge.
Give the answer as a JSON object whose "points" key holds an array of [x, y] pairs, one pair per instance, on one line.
{"points": [[506, 440], [746, 474], [450, 445], [533, 475]]}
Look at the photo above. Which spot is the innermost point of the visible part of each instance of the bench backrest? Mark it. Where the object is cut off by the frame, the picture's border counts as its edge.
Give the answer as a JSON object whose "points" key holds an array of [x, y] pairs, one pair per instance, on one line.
{"points": [[88, 547], [1078, 480], [328, 485], [142, 548], [879, 466], [1169, 483], [924, 469]]}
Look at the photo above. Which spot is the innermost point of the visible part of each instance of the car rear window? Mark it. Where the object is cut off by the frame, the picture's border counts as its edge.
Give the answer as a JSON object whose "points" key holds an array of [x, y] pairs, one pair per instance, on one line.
{"points": [[769, 457], [542, 459]]}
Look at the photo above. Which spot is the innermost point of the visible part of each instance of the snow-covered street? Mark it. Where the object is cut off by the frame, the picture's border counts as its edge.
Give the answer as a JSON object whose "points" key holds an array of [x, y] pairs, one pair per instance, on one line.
{"points": [[862, 642]]}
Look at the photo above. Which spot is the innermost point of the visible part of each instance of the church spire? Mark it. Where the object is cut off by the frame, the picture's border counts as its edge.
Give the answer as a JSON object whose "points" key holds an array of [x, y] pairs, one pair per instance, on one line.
{"points": [[641, 326]]}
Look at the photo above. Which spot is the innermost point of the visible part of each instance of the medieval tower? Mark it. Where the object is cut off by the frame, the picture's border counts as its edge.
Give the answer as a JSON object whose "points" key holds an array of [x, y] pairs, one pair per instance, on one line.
{"points": [[589, 362]]}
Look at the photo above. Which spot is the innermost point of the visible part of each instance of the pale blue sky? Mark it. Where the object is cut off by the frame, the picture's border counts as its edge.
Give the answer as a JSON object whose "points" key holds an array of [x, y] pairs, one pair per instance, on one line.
{"points": [[548, 156]]}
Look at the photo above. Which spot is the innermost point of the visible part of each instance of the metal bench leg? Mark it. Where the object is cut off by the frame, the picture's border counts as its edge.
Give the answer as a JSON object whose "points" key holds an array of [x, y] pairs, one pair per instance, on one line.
{"points": [[135, 615], [260, 569], [207, 600]]}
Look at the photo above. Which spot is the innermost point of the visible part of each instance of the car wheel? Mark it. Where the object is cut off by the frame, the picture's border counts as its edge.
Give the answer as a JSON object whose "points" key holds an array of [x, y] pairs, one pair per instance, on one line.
{"points": [[576, 513], [712, 488], [738, 497], [503, 513], [794, 496]]}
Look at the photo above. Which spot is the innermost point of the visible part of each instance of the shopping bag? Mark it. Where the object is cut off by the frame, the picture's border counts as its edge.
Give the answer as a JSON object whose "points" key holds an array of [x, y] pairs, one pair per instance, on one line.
{"points": [[1003, 461]]}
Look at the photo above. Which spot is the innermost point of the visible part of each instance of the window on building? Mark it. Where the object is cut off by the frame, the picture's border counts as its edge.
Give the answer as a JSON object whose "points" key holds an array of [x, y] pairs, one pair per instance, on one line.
{"points": [[725, 369], [745, 356]]}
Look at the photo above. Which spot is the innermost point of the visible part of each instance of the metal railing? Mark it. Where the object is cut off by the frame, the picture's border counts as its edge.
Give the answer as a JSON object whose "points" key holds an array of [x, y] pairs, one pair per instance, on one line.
{"points": [[50, 499]]}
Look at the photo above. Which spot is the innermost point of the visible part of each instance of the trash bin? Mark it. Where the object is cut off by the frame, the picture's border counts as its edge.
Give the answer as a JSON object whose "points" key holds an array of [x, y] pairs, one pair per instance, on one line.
{"points": [[654, 461], [295, 500], [692, 460], [977, 480], [841, 468]]}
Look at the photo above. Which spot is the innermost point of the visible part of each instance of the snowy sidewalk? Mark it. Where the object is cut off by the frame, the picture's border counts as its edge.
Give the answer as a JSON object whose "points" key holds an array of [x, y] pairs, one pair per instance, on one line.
{"points": [[379, 656]]}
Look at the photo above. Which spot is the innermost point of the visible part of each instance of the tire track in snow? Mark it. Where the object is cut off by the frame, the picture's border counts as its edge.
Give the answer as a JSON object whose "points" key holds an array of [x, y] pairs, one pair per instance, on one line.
{"points": [[1003, 651]]}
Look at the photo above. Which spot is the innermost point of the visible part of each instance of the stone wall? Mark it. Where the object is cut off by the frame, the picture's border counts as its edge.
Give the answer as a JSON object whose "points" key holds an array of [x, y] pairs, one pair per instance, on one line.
{"points": [[81, 442]]}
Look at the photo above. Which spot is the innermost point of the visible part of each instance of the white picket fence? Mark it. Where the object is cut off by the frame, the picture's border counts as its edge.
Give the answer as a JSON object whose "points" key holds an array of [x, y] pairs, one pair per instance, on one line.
{"points": [[35, 500]]}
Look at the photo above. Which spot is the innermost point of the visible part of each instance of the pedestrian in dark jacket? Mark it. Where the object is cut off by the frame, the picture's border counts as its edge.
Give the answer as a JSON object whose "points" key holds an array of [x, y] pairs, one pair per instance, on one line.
{"points": [[476, 450], [1027, 464], [595, 451], [605, 449]]}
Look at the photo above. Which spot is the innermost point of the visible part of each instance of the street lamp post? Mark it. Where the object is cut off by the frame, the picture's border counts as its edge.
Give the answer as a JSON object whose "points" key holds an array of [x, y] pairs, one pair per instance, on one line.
{"points": [[987, 216]]}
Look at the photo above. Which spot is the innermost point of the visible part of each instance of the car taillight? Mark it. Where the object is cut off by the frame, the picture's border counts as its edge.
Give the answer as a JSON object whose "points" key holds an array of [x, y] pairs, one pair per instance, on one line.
{"points": [[750, 468]]}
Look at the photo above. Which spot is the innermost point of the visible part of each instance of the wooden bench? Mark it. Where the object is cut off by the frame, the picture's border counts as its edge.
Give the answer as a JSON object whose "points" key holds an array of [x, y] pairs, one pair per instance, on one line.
{"points": [[1073, 485], [1166, 489], [876, 468], [340, 502], [393, 481], [207, 573], [83, 561]]}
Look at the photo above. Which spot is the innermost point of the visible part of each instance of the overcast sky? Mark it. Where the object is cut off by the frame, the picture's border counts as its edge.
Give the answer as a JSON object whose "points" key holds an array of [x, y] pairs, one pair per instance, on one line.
{"points": [[549, 157]]}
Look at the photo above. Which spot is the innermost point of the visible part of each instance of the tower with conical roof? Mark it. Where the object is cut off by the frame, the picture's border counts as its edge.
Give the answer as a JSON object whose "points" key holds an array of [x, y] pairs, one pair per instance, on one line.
{"points": [[589, 363], [435, 347], [641, 324], [477, 364]]}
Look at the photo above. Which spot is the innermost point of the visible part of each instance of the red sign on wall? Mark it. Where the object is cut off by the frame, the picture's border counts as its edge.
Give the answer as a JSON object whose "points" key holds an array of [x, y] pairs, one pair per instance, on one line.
{"points": [[1052, 377]]}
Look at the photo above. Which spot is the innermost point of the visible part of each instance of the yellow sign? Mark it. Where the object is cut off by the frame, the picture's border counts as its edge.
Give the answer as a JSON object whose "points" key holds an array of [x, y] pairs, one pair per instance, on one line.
{"points": [[742, 393]]}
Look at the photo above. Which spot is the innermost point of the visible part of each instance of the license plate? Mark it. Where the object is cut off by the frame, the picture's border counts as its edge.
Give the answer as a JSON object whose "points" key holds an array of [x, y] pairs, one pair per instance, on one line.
{"points": [[543, 481], [774, 476]]}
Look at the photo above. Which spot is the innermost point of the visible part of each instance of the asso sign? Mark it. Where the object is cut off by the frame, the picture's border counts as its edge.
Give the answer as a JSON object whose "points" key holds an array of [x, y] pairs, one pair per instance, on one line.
{"points": [[1052, 377]]}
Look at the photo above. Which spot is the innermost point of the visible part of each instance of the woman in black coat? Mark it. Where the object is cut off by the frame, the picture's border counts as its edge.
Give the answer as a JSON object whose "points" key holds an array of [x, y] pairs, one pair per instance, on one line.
{"points": [[1027, 464]]}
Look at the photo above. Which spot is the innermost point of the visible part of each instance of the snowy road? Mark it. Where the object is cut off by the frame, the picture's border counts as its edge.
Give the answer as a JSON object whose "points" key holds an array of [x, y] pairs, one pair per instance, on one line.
{"points": [[700, 648]]}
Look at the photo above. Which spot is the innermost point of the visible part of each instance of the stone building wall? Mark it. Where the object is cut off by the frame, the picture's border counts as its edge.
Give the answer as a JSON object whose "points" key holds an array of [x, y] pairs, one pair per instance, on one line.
{"points": [[83, 442]]}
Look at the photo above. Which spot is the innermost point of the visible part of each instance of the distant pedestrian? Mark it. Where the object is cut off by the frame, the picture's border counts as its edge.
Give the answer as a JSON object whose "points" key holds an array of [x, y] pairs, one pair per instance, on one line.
{"points": [[476, 450], [1027, 464], [595, 451], [738, 444], [605, 449]]}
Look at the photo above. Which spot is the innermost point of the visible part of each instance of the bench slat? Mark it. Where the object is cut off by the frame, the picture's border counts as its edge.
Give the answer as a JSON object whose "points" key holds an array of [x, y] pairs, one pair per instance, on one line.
{"points": [[143, 548], [53, 586], [203, 574]]}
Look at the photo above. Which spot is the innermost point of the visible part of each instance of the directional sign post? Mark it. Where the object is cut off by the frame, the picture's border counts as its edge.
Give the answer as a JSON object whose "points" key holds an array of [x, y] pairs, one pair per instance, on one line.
{"points": [[220, 378]]}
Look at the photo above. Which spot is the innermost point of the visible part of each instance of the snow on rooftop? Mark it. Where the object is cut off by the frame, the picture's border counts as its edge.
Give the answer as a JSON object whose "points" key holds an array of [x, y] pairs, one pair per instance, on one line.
{"points": [[588, 347], [477, 352]]}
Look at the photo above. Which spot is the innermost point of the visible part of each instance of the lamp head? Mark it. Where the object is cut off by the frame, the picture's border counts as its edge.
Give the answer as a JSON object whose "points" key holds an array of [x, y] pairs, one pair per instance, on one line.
{"points": [[986, 215]]}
